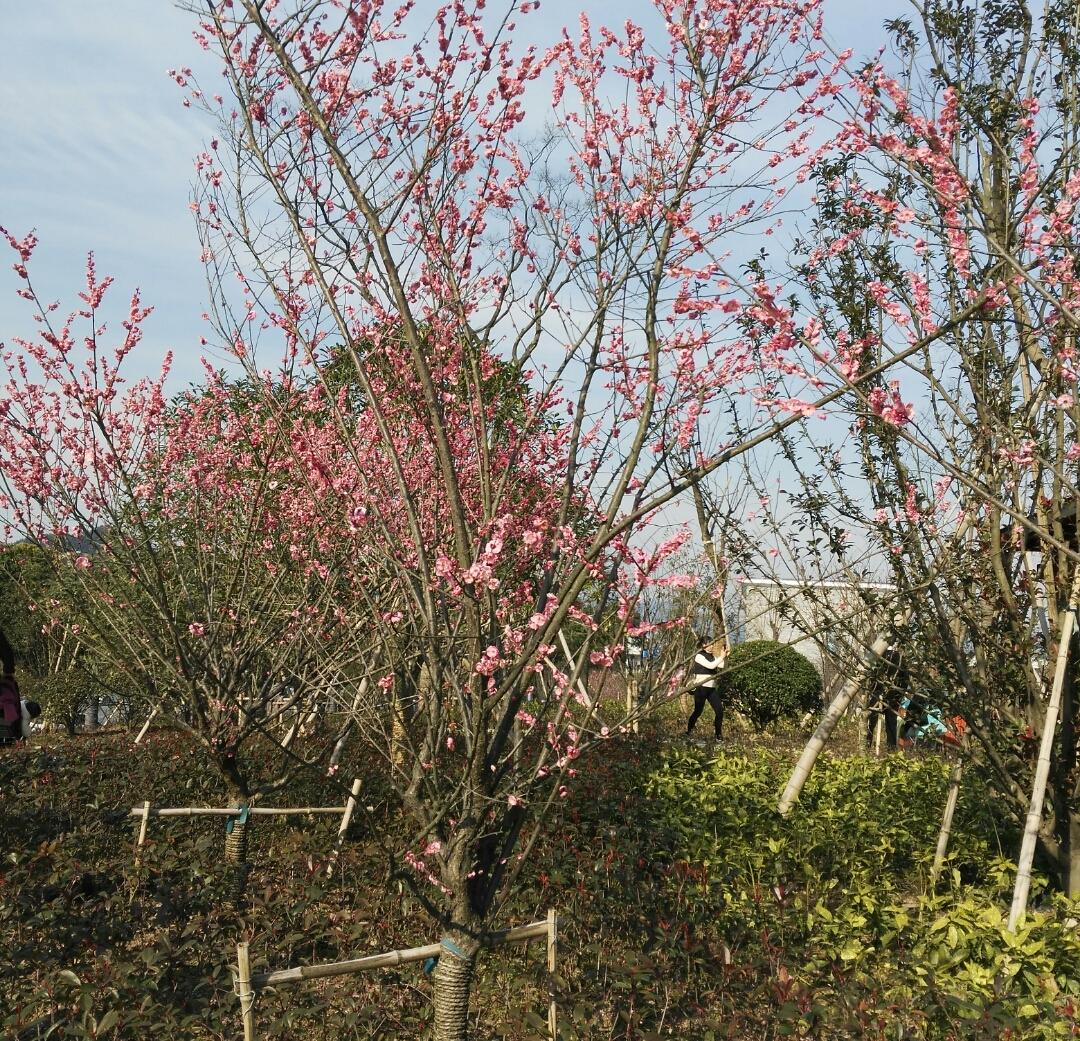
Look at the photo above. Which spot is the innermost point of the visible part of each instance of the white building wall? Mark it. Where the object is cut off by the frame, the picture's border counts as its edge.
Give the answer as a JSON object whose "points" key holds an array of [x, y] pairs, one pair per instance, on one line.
{"points": [[818, 619]]}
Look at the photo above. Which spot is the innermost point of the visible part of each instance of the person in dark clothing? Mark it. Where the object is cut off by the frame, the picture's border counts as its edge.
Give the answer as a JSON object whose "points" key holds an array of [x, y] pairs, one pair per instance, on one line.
{"points": [[888, 689], [10, 703], [7, 655], [703, 687]]}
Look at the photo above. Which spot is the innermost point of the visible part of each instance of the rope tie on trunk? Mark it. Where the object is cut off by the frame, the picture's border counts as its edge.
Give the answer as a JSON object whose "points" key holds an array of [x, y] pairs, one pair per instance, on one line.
{"points": [[453, 981], [236, 837], [236, 853]]}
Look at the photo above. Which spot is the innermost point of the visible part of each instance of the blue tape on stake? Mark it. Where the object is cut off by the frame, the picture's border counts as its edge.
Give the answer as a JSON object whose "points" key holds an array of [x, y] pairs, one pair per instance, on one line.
{"points": [[241, 819], [448, 945]]}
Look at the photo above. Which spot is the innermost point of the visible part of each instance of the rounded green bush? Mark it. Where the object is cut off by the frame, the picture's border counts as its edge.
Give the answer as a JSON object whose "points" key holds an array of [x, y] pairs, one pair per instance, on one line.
{"points": [[767, 681]]}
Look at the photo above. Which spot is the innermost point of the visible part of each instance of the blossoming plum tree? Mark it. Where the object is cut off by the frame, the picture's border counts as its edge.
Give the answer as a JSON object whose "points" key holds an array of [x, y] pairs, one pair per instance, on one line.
{"points": [[168, 528], [378, 188], [371, 186]]}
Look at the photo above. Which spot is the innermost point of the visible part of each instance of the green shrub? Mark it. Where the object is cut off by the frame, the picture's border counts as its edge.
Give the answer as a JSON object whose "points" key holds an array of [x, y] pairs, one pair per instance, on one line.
{"points": [[769, 681], [63, 695], [837, 895], [688, 906]]}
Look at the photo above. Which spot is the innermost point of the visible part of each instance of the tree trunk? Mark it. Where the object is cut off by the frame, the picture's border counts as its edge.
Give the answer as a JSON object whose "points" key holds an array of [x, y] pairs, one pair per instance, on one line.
{"points": [[1042, 770], [398, 737], [90, 718], [453, 983], [946, 821], [832, 717]]}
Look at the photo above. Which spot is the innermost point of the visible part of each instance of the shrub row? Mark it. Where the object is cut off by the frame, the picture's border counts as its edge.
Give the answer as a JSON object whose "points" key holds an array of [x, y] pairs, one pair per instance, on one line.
{"points": [[690, 908]]}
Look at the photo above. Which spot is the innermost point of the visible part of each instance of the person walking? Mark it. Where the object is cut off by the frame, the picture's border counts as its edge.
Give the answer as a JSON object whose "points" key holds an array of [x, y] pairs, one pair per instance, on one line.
{"points": [[703, 686]]}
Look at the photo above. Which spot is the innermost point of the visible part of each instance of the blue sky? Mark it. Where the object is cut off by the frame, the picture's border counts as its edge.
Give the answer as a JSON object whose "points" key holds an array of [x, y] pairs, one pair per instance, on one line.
{"points": [[97, 150]]}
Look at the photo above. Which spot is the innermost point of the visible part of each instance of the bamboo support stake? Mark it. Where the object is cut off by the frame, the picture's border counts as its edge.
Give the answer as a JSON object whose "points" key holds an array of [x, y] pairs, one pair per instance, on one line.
{"points": [[520, 934], [346, 968], [552, 948], [833, 714], [946, 822], [632, 704], [245, 991], [301, 719], [573, 665], [879, 726], [339, 746], [1042, 772], [234, 811], [144, 814], [580, 686], [350, 806]]}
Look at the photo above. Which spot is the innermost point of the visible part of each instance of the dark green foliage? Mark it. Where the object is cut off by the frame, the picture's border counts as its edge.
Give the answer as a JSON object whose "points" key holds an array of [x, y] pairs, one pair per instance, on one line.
{"points": [[689, 908], [25, 576], [769, 681], [99, 947], [51, 664]]}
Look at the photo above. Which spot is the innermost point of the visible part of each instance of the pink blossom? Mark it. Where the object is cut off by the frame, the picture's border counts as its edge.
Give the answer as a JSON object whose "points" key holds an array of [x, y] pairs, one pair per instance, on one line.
{"points": [[890, 405], [796, 406]]}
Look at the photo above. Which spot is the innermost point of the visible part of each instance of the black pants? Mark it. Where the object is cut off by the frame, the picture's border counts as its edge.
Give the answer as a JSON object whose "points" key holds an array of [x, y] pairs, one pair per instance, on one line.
{"points": [[889, 711], [712, 696]]}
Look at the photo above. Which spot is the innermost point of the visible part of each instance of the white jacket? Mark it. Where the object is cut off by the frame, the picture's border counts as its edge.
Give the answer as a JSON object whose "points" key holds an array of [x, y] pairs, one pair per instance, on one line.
{"points": [[704, 674]]}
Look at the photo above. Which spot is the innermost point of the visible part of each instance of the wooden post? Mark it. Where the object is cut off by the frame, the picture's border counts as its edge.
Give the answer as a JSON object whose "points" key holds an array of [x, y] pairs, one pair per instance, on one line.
{"points": [[350, 805], [244, 991], [879, 726], [339, 746], [632, 704], [1042, 772], [552, 947], [144, 820], [146, 725], [946, 822]]}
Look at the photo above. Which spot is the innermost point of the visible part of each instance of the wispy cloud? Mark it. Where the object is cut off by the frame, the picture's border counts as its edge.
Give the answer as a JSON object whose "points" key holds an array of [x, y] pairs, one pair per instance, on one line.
{"points": [[97, 156]]}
